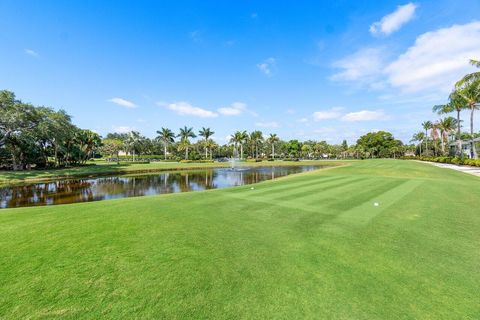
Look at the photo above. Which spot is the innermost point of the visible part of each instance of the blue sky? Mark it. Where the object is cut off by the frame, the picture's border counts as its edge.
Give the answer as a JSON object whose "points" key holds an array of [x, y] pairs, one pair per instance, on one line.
{"points": [[326, 70]]}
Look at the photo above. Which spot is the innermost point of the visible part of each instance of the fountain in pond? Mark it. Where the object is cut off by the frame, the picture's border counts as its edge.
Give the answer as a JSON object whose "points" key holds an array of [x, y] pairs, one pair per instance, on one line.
{"points": [[234, 159]]}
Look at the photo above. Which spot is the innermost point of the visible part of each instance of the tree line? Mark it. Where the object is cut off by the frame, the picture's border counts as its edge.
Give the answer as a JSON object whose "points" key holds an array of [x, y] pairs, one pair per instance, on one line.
{"points": [[437, 137], [41, 137]]}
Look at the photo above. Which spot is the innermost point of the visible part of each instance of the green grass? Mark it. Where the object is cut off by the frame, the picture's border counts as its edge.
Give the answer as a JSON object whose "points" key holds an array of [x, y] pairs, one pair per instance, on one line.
{"points": [[305, 246], [106, 168]]}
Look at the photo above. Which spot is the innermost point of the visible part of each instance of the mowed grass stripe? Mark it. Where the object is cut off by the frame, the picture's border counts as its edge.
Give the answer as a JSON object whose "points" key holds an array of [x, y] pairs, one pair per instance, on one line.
{"points": [[364, 212], [316, 189], [272, 186], [372, 189]]}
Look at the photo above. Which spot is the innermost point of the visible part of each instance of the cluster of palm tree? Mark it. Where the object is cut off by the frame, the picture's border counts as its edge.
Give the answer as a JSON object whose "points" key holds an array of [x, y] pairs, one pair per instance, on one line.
{"points": [[465, 96], [167, 137], [255, 139]]}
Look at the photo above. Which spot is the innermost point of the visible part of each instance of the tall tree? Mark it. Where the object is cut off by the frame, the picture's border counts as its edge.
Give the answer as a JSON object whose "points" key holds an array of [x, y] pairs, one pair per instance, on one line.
{"points": [[426, 125], [185, 135], [470, 91], [418, 137], [256, 137], [272, 140], [133, 142], [445, 126], [167, 137], [206, 133], [456, 103], [471, 77], [112, 147]]}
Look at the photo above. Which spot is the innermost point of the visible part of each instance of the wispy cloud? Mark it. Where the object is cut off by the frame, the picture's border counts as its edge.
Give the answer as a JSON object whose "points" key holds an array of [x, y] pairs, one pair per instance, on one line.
{"points": [[186, 109], [394, 21], [235, 109], [268, 66], [333, 113], [271, 124], [364, 115], [31, 53], [432, 64], [122, 102], [436, 60], [254, 15], [365, 65]]}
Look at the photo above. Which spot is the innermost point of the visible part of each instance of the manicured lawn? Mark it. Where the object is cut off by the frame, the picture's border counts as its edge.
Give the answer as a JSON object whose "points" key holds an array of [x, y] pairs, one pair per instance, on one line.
{"points": [[306, 246], [104, 168]]}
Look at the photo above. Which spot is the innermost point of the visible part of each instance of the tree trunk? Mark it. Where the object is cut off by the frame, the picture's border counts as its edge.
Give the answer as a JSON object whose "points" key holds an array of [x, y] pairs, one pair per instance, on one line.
{"points": [[473, 151], [273, 151], [241, 151], [426, 141], [442, 144], [165, 151], [459, 136], [186, 153]]}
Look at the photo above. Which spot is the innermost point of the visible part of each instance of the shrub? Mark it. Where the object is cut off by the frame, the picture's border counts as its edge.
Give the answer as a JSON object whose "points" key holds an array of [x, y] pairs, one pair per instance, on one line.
{"points": [[134, 162]]}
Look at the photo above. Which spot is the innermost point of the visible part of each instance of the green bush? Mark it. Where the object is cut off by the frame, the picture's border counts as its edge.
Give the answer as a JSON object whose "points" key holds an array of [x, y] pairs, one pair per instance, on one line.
{"points": [[449, 160], [134, 162], [196, 161]]}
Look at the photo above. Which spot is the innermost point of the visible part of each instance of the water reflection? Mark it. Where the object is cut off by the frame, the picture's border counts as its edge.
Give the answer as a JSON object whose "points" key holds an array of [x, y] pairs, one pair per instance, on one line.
{"points": [[102, 188]]}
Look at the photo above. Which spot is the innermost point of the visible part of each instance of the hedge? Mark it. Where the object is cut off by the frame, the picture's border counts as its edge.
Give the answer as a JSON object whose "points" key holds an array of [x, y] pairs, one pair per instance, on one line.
{"points": [[449, 160]]}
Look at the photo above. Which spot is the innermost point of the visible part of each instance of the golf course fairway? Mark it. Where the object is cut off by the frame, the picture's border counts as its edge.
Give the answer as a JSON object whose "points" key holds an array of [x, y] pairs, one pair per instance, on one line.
{"points": [[312, 245]]}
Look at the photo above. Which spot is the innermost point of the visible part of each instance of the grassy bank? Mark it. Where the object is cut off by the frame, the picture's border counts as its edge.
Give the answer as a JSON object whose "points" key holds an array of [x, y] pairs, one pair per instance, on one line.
{"points": [[106, 168], [311, 245]]}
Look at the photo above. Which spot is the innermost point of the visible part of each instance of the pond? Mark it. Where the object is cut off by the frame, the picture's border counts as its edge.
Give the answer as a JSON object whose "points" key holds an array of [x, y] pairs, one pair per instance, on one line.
{"points": [[121, 186]]}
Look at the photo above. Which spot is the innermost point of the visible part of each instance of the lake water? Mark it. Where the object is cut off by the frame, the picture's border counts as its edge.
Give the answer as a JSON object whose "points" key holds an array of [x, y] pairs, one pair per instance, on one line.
{"points": [[121, 186]]}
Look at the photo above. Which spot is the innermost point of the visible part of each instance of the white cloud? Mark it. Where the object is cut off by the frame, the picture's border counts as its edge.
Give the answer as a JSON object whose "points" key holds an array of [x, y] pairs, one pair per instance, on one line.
{"points": [[235, 109], [122, 129], [364, 115], [123, 102], [333, 113], [364, 65], [31, 53], [268, 66], [395, 20], [271, 124], [186, 109], [436, 60], [303, 120]]}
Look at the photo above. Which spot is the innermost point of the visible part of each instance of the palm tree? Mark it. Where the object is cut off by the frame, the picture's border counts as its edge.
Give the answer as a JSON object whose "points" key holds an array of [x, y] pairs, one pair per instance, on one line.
{"points": [[206, 133], [210, 144], [238, 139], [471, 77], [272, 139], [185, 134], [427, 125], [420, 137], [435, 135], [446, 126], [234, 138], [243, 137], [256, 137], [456, 103], [167, 137], [470, 92], [133, 141]]}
